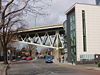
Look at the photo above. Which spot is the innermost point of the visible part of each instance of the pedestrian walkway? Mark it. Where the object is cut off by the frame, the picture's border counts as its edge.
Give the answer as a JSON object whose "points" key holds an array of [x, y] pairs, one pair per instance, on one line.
{"points": [[81, 67], [2, 68]]}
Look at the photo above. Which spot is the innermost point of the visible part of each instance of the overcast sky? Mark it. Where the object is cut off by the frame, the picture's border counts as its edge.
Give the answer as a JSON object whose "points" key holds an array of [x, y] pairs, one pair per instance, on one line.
{"points": [[56, 12]]}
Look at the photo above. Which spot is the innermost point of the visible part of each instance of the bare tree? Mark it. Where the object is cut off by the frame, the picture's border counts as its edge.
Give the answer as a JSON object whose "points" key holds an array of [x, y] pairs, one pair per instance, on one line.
{"points": [[11, 18]]}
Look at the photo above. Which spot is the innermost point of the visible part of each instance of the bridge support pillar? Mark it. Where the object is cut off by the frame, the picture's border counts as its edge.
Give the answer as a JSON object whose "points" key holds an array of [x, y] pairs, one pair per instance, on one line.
{"points": [[57, 55]]}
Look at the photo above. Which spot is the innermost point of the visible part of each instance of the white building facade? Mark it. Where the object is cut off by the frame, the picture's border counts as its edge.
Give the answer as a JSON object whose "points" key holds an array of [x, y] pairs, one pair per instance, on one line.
{"points": [[83, 32]]}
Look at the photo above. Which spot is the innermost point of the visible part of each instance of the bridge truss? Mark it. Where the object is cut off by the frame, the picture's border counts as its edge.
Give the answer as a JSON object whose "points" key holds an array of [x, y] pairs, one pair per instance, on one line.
{"points": [[49, 36]]}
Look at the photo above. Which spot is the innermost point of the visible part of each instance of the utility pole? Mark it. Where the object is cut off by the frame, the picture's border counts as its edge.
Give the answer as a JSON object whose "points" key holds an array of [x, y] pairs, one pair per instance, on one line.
{"points": [[35, 20]]}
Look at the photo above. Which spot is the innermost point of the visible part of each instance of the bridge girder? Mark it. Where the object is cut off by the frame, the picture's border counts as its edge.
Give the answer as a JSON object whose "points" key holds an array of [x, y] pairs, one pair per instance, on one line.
{"points": [[48, 37], [47, 40]]}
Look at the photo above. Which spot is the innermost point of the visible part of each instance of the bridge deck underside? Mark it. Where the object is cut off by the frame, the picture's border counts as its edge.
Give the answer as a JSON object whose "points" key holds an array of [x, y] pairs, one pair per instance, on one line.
{"points": [[50, 37], [51, 31]]}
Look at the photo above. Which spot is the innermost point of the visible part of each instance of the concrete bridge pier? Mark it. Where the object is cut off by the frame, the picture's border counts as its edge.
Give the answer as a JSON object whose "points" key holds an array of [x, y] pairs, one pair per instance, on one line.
{"points": [[56, 55], [57, 52]]}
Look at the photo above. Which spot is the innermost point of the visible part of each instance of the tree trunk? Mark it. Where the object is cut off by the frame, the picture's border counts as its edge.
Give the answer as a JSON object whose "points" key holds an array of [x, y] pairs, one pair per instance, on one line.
{"points": [[5, 52], [30, 52]]}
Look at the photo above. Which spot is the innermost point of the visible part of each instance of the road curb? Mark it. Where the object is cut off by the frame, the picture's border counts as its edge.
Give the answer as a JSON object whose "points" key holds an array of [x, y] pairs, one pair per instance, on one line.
{"points": [[93, 68], [4, 70]]}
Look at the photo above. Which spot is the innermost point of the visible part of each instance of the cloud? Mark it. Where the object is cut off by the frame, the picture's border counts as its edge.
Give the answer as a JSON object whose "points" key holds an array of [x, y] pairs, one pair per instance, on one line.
{"points": [[56, 12]]}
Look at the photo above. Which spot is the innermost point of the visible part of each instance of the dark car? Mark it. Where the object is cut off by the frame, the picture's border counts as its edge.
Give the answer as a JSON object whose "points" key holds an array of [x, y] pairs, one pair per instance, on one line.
{"points": [[23, 58]]}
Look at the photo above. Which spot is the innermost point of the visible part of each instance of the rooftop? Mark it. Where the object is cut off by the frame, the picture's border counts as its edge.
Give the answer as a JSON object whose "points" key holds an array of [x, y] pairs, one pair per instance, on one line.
{"points": [[73, 6]]}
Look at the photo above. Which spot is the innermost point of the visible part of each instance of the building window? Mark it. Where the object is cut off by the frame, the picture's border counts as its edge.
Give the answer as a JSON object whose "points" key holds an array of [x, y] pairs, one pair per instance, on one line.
{"points": [[72, 24], [84, 31], [97, 2]]}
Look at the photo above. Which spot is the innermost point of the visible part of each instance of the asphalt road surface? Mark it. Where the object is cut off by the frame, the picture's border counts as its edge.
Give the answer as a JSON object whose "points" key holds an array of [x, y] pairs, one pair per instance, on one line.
{"points": [[39, 67]]}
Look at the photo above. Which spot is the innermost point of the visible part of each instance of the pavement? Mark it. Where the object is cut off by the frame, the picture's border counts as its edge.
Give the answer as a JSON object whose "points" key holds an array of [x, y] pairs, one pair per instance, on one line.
{"points": [[39, 67], [81, 67], [3, 68]]}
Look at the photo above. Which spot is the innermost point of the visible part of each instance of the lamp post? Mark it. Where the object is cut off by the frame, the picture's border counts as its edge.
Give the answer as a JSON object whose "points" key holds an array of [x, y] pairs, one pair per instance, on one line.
{"points": [[35, 20]]}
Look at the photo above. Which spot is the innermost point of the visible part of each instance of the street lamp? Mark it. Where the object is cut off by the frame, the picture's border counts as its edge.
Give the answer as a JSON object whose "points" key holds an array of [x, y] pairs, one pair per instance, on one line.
{"points": [[35, 20]]}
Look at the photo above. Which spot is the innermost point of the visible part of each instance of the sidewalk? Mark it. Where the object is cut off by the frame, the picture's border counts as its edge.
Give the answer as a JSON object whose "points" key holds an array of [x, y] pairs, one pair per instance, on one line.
{"points": [[3, 68], [80, 67]]}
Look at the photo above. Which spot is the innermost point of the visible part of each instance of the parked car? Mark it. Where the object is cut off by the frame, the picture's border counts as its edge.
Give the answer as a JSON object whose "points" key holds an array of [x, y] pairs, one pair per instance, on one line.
{"points": [[18, 58], [29, 58], [49, 59], [23, 58]]}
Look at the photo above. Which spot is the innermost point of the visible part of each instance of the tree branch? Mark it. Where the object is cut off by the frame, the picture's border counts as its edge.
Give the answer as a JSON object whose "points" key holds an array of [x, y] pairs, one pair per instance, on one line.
{"points": [[8, 5], [10, 33], [18, 9]]}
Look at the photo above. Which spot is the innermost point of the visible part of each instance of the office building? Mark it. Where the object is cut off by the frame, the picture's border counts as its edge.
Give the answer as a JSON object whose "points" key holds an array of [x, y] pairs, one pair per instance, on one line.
{"points": [[97, 2], [83, 32]]}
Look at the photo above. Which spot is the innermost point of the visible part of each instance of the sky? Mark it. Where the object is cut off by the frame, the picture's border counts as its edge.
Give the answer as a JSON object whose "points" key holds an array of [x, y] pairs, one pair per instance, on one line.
{"points": [[56, 12]]}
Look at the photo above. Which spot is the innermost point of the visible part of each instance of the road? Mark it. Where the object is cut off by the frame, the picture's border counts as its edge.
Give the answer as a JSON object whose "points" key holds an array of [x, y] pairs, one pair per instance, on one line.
{"points": [[39, 67]]}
